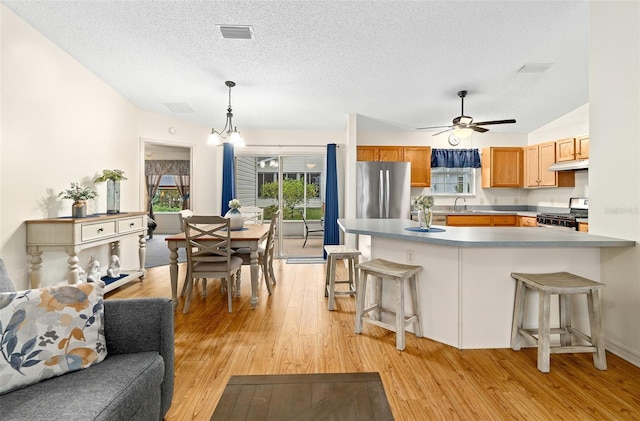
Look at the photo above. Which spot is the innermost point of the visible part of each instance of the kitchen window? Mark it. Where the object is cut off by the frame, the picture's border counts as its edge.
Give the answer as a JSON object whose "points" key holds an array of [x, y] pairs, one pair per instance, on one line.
{"points": [[453, 181], [453, 172]]}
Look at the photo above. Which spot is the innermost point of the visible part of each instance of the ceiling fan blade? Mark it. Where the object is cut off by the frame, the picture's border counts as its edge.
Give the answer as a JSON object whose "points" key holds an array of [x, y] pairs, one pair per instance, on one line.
{"points": [[432, 127], [478, 129], [486, 123], [444, 131]]}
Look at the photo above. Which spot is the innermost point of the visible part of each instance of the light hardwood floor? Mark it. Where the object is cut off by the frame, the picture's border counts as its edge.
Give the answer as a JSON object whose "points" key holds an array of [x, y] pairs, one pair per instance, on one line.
{"points": [[292, 332]]}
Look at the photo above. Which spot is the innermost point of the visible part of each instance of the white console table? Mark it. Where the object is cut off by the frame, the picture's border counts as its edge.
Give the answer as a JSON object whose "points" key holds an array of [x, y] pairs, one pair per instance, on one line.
{"points": [[72, 235]]}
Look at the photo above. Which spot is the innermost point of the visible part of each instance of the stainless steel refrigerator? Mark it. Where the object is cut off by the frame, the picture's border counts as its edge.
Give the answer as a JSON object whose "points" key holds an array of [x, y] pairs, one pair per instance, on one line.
{"points": [[383, 190]]}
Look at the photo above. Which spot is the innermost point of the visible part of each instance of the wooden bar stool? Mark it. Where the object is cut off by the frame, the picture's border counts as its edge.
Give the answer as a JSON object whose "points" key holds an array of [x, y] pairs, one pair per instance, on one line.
{"points": [[384, 270], [564, 285], [334, 253]]}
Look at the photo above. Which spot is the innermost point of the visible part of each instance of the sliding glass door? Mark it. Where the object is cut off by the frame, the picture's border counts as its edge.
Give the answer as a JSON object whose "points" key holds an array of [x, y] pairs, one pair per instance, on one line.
{"points": [[293, 183]]}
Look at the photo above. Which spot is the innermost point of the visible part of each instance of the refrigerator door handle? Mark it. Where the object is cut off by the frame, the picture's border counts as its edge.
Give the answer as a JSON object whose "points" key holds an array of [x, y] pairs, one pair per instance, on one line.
{"points": [[386, 197], [381, 194]]}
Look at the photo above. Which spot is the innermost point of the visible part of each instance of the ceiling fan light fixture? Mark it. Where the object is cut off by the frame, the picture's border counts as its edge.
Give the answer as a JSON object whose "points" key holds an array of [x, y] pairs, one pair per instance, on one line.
{"points": [[462, 132]]}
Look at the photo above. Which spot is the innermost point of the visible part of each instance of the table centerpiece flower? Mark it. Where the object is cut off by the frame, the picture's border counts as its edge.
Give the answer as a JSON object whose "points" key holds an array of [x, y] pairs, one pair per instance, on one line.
{"points": [[236, 219], [423, 204], [79, 195]]}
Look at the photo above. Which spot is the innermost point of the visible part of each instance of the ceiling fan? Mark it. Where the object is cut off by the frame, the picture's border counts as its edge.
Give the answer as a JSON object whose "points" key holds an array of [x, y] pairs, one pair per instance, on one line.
{"points": [[464, 125]]}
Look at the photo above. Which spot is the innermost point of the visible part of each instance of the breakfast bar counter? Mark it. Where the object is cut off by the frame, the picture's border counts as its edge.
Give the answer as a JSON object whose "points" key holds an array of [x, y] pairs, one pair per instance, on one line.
{"points": [[466, 289]]}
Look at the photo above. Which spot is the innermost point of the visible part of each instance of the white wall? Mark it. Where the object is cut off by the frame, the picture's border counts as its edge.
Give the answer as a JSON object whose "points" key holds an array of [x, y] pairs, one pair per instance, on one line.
{"points": [[59, 124], [206, 160], [614, 178]]}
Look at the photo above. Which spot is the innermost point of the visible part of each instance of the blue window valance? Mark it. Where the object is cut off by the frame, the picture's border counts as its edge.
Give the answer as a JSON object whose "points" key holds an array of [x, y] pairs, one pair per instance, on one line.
{"points": [[455, 158]]}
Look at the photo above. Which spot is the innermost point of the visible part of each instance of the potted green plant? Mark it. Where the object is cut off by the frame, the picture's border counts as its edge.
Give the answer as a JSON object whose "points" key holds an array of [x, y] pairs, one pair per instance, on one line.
{"points": [[79, 195], [113, 178]]}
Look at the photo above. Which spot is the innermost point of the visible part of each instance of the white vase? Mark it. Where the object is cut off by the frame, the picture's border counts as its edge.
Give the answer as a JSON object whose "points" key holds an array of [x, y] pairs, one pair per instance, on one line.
{"points": [[236, 220], [424, 218]]}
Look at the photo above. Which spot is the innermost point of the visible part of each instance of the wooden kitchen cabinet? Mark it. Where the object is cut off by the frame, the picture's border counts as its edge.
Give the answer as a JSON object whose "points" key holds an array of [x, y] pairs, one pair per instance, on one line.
{"points": [[367, 153], [565, 150], [538, 158], [418, 156], [583, 226], [527, 221], [482, 220], [420, 159], [582, 147], [469, 220], [502, 167], [391, 153], [380, 153]]}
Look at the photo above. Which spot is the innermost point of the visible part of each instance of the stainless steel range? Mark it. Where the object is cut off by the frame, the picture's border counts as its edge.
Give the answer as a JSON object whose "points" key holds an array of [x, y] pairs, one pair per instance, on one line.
{"points": [[578, 208]]}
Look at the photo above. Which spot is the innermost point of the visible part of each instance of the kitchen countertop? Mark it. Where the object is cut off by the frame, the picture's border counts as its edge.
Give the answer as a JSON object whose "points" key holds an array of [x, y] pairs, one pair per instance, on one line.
{"points": [[480, 236]]}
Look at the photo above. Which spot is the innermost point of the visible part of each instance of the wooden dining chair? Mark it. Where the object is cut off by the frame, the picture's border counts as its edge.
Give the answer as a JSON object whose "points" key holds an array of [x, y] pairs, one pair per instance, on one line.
{"points": [[184, 215], [265, 254], [252, 214], [209, 254]]}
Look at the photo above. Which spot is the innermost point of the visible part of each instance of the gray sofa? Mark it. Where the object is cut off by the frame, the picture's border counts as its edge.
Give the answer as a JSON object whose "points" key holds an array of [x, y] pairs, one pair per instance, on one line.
{"points": [[134, 382]]}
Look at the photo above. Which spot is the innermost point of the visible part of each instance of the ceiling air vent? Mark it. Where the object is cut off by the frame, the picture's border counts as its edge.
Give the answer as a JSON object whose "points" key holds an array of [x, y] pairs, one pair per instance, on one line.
{"points": [[236, 31], [178, 107], [534, 67]]}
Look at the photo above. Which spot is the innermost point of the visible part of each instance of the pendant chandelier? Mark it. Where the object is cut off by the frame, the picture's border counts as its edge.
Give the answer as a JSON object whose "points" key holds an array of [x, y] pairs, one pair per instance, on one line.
{"points": [[230, 133]]}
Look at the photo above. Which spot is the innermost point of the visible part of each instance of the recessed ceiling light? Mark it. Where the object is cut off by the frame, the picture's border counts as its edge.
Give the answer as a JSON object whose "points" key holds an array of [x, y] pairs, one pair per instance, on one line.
{"points": [[534, 67], [236, 31]]}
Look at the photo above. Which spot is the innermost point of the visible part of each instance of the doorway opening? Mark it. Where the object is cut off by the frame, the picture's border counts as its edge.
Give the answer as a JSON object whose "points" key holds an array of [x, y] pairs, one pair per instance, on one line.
{"points": [[168, 182]]}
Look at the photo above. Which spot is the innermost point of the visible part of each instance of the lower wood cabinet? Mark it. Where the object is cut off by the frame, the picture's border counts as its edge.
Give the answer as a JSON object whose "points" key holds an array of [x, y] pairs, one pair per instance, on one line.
{"points": [[583, 226], [482, 220], [527, 221]]}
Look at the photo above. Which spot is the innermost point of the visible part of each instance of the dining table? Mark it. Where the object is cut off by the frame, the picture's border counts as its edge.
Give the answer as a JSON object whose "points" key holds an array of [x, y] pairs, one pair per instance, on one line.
{"points": [[250, 236]]}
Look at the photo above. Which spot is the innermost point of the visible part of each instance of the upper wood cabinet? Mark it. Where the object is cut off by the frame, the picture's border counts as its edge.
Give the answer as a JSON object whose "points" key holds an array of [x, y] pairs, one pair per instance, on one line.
{"points": [[418, 156], [391, 153], [502, 167], [380, 153], [367, 153], [537, 160], [565, 150], [582, 147], [572, 149]]}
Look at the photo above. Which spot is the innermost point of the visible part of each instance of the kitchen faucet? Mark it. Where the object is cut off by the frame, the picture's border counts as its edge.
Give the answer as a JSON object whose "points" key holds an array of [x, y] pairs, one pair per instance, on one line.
{"points": [[455, 203]]}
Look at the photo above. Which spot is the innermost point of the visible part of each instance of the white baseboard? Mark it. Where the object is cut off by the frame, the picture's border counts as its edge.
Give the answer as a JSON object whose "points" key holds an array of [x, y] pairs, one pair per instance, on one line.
{"points": [[623, 351]]}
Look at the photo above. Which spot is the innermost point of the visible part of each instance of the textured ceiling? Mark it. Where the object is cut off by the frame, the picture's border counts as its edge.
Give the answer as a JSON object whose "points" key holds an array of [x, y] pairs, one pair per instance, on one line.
{"points": [[313, 62]]}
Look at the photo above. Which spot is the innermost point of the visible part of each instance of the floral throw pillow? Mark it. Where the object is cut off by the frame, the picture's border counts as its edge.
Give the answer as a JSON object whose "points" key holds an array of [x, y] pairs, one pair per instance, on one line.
{"points": [[47, 332]]}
